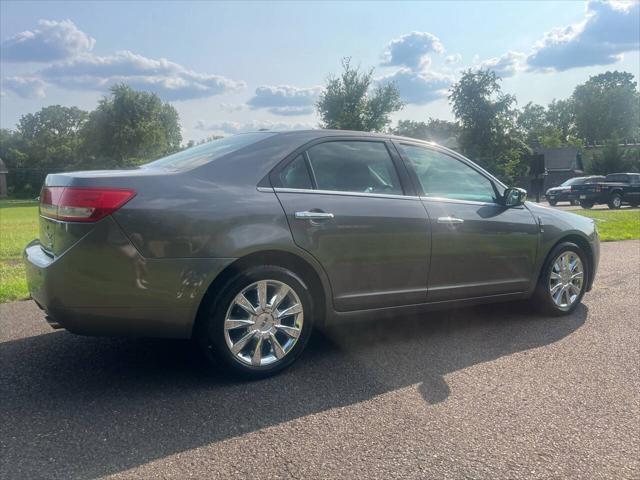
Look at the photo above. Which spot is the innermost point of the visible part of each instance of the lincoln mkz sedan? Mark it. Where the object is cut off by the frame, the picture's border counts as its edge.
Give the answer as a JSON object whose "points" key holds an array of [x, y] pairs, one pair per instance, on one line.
{"points": [[247, 242]]}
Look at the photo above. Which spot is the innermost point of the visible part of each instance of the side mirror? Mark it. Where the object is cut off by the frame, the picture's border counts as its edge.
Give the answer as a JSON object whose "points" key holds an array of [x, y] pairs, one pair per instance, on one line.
{"points": [[514, 197]]}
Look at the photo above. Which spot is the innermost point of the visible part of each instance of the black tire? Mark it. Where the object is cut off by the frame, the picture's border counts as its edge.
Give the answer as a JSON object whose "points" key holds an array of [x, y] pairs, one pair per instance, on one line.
{"points": [[586, 205], [542, 298], [553, 203], [615, 201], [210, 333]]}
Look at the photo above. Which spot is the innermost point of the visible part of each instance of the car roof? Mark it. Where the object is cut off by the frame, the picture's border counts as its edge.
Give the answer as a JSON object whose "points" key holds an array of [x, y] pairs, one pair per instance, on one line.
{"points": [[321, 132]]}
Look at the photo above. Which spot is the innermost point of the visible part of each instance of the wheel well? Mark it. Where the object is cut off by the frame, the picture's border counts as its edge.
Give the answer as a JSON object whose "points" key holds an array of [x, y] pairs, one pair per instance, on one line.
{"points": [[287, 260], [586, 247]]}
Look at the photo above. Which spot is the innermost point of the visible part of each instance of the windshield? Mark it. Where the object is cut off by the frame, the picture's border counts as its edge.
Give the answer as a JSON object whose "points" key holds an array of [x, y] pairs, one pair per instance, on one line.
{"points": [[573, 181], [195, 156]]}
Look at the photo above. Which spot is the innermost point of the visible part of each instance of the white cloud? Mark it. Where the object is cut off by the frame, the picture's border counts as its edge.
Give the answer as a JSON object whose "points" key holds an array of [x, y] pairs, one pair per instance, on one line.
{"points": [[169, 80], [608, 30], [235, 127], [50, 41], [420, 88], [285, 99], [25, 87], [232, 107], [506, 65], [453, 59], [412, 50]]}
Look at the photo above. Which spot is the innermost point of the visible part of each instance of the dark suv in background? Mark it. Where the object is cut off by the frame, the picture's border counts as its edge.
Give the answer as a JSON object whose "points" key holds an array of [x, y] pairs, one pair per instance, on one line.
{"points": [[615, 190], [564, 192]]}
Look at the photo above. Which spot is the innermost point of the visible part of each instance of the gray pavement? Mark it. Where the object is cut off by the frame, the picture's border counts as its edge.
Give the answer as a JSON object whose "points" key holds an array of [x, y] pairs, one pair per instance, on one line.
{"points": [[484, 393]]}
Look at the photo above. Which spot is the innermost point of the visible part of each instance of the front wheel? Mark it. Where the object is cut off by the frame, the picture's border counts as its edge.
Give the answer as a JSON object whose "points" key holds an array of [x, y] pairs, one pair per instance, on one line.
{"points": [[615, 201], [259, 324], [553, 203], [586, 205], [563, 280]]}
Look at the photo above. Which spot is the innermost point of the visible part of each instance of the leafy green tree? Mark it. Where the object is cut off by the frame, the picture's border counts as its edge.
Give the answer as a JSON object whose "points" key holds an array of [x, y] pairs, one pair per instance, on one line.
{"points": [[609, 160], [487, 118], [560, 116], [51, 136], [532, 122], [128, 128], [607, 105], [433, 130], [347, 102]]}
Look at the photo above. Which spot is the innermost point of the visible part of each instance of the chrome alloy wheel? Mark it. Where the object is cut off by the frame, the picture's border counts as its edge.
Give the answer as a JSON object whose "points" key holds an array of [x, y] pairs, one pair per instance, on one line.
{"points": [[566, 279], [263, 323]]}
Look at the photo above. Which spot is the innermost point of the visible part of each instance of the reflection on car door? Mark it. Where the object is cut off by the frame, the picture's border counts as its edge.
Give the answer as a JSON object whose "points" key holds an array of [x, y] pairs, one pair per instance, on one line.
{"points": [[479, 247], [351, 214]]}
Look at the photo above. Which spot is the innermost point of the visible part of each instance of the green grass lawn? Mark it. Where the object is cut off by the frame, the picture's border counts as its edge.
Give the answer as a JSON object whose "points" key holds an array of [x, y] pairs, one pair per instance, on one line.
{"points": [[18, 226], [613, 225]]}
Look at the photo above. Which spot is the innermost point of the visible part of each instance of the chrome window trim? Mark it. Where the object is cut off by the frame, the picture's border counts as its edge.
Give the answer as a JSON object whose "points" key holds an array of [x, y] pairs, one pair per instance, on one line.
{"points": [[455, 200], [344, 194]]}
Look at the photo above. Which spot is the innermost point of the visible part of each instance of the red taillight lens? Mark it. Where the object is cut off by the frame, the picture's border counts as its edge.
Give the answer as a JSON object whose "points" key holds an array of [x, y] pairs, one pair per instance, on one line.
{"points": [[73, 204]]}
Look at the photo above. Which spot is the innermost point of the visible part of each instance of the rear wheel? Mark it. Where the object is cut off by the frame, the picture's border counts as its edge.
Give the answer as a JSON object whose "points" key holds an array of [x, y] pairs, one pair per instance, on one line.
{"points": [[259, 324], [563, 280], [586, 205], [615, 201]]}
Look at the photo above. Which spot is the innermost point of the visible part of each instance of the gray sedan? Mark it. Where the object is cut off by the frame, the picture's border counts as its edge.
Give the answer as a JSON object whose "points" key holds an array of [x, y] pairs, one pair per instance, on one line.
{"points": [[246, 243]]}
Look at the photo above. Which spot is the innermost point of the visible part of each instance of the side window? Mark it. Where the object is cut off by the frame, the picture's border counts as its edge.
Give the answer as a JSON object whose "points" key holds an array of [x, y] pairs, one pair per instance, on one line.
{"points": [[443, 176], [354, 166], [296, 175]]}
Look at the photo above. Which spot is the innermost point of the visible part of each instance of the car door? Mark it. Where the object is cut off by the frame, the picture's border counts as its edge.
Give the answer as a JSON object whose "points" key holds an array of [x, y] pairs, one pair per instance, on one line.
{"points": [[348, 207], [479, 247]]}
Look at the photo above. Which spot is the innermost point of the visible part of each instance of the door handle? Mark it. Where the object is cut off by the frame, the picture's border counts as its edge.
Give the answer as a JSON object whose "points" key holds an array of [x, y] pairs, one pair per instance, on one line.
{"points": [[311, 215], [450, 220]]}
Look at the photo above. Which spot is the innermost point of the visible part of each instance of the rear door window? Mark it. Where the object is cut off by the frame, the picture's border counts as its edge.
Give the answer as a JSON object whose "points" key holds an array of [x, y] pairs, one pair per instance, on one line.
{"points": [[354, 166]]}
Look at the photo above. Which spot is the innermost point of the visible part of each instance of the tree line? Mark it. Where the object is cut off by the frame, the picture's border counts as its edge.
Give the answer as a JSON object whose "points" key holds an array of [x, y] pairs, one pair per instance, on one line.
{"points": [[491, 130], [130, 127], [127, 128]]}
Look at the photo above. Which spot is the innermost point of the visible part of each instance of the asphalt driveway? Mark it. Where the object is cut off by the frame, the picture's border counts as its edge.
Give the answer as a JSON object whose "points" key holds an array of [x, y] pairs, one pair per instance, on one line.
{"points": [[491, 392]]}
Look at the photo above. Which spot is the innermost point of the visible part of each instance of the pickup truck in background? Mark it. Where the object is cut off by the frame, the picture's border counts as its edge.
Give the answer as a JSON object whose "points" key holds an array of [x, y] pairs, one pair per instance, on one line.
{"points": [[615, 190]]}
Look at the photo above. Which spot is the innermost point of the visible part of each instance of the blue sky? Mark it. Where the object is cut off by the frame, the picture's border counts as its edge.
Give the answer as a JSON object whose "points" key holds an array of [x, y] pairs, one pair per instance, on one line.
{"points": [[230, 67]]}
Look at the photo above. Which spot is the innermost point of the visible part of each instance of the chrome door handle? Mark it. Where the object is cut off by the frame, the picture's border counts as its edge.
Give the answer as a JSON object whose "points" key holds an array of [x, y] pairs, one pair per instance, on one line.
{"points": [[450, 220], [310, 215]]}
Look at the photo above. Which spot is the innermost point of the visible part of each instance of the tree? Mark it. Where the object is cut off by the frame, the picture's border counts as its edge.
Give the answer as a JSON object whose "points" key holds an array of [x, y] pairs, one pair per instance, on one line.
{"points": [[532, 122], [434, 130], [487, 118], [128, 128], [560, 115], [607, 105], [51, 136], [610, 160], [348, 104]]}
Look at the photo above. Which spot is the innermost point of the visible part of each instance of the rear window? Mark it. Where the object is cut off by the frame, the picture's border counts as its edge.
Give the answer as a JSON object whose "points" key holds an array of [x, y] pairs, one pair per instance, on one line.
{"points": [[196, 156]]}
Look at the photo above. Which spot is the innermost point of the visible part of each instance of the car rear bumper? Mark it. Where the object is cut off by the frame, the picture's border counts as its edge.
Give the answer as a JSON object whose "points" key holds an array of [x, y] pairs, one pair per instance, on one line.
{"points": [[103, 286]]}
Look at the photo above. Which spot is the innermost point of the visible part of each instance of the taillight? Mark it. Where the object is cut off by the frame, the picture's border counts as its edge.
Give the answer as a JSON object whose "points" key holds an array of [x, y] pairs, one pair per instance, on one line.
{"points": [[74, 204]]}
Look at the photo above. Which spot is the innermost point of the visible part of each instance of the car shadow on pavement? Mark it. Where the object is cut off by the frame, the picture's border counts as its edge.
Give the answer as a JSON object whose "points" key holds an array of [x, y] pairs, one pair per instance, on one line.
{"points": [[79, 407]]}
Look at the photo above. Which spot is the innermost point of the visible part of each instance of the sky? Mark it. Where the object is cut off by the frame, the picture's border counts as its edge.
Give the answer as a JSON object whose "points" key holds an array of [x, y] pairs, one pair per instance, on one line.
{"points": [[232, 67]]}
